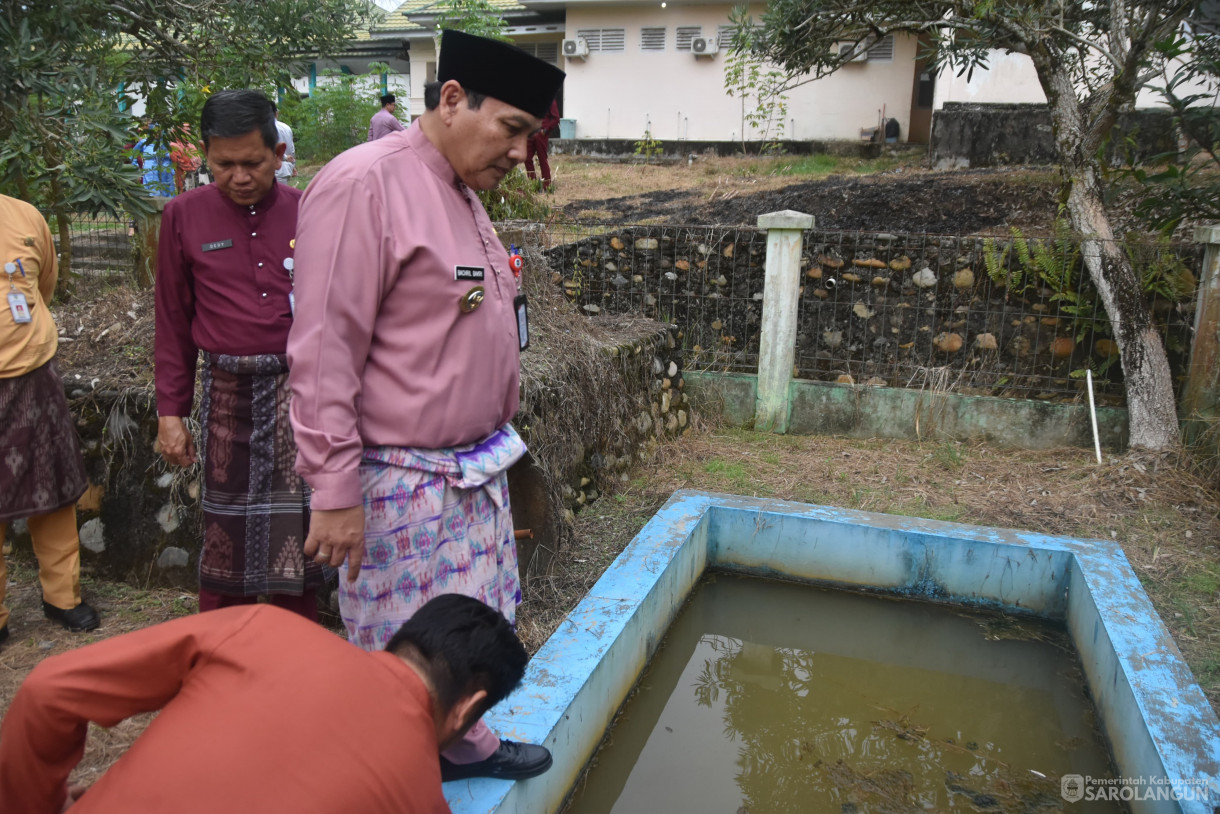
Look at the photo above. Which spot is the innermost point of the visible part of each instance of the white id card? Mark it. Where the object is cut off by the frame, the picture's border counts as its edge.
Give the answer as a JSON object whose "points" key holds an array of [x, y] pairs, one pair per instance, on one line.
{"points": [[19, 307], [292, 300], [523, 324]]}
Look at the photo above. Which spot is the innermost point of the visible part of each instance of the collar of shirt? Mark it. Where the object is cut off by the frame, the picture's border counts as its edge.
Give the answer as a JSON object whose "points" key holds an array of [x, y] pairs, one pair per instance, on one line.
{"points": [[431, 156], [263, 206]]}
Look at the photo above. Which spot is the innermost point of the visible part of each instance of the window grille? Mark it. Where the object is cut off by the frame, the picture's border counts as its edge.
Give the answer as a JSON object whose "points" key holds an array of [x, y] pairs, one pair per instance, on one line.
{"points": [[686, 33], [652, 39], [604, 39], [883, 51], [546, 51]]}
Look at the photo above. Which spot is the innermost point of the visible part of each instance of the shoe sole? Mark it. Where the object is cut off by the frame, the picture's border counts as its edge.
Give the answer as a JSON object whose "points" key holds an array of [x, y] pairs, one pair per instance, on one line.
{"points": [[524, 774]]}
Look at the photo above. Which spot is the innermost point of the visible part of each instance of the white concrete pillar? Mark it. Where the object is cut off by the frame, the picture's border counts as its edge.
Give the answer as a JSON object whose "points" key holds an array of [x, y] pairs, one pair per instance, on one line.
{"points": [[1201, 399], [781, 295]]}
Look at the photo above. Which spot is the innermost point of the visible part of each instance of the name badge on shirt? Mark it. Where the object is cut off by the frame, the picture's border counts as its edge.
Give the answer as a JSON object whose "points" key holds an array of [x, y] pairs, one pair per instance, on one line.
{"points": [[20, 308], [468, 273], [523, 322], [217, 244]]}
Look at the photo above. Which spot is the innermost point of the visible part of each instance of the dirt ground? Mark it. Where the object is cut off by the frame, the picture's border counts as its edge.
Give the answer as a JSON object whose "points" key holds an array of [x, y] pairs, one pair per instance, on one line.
{"points": [[1165, 518], [893, 194]]}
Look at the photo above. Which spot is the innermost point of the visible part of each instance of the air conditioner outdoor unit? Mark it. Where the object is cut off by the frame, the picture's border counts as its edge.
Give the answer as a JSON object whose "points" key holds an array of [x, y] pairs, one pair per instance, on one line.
{"points": [[704, 46], [846, 49], [576, 48]]}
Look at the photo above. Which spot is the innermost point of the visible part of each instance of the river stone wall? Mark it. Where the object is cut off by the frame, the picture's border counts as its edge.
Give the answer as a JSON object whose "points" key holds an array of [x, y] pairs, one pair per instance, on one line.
{"points": [[875, 308], [141, 521]]}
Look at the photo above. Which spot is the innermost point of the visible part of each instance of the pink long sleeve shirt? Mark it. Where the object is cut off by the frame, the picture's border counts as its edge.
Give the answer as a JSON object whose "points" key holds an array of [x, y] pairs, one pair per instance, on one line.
{"points": [[389, 241], [382, 124]]}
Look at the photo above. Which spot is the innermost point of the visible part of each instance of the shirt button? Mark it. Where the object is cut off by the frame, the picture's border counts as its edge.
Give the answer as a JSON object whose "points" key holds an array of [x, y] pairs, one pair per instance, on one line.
{"points": [[254, 234], [260, 265], [264, 293]]}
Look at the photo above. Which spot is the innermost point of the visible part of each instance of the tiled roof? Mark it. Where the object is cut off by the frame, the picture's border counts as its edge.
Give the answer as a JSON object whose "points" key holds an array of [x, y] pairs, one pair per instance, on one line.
{"points": [[400, 18]]}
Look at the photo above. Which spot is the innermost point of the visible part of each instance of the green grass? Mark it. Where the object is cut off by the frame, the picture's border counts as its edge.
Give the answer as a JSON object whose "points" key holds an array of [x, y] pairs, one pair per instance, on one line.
{"points": [[823, 164], [1203, 584]]}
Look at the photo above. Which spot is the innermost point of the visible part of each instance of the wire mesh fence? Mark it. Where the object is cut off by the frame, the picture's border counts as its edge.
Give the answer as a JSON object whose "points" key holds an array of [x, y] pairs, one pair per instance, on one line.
{"points": [[99, 246], [1015, 317]]}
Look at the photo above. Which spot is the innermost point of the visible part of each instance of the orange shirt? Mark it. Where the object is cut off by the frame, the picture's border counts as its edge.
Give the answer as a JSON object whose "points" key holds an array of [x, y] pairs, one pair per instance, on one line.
{"points": [[261, 711], [24, 235]]}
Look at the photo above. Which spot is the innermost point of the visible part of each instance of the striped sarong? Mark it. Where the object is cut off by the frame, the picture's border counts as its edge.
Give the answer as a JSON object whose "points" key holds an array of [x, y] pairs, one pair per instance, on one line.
{"points": [[435, 522], [41, 469], [255, 505]]}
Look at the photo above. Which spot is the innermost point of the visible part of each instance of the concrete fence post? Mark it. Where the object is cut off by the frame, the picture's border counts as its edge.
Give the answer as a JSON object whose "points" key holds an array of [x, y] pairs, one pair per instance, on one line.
{"points": [[1202, 394], [781, 295]]}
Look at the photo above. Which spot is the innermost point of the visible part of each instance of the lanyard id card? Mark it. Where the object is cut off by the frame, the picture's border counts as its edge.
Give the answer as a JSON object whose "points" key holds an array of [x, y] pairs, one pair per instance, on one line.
{"points": [[292, 300], [17, 303], [523, 323], [20, 308]]}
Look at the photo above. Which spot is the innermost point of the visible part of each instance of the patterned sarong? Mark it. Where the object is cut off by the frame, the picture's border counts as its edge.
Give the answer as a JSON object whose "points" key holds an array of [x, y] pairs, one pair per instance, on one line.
{"points": [[41, 468], [436, 521], [255, 506]]}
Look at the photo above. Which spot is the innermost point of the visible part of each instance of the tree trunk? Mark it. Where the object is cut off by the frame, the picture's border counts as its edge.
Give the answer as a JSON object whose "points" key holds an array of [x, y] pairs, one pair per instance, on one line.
{"points": [[63, 286], [63, 222], [1151, 410]]}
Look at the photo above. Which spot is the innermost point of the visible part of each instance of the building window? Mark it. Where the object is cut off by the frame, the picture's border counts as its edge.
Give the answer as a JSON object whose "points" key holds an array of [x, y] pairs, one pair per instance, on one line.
{"points": [[686, 33], [883, 51], [652, 39], [545, 51], [604, 39], [724, 36]]}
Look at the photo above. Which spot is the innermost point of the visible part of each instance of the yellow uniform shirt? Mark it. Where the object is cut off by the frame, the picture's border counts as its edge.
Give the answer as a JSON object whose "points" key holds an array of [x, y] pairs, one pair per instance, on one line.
{"points": [[24, 235]]}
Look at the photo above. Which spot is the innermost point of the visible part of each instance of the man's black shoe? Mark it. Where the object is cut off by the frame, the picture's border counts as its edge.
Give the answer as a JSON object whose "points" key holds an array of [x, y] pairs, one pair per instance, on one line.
{"points": [[77, 620], [4, 634], [512, 761]]}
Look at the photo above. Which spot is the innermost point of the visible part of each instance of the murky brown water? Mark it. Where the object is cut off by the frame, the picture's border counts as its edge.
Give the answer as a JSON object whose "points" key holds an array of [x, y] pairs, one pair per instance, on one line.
{"points": [[769, 698]]}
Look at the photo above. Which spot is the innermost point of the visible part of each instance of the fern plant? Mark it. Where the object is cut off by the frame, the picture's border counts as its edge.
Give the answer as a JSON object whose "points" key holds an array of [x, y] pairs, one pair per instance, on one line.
{"points": [[996, 263]]}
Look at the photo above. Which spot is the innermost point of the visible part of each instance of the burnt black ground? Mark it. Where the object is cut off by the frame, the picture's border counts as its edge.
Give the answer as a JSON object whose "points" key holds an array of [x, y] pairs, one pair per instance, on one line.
{"points": [[950, 202]]}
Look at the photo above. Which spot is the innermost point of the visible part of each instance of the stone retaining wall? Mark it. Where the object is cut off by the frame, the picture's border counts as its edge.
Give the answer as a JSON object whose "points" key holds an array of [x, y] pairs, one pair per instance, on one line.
{"points": [[141, 520], [966, 134], [875, 308]]}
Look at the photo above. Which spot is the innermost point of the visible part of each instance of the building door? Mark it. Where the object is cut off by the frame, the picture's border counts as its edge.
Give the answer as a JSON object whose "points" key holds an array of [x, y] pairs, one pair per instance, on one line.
{"points": [[923, 89]]}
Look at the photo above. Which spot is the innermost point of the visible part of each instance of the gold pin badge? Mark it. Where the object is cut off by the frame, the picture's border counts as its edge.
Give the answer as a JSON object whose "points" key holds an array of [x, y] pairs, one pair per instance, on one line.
{"points": [[292, 244], [471, 300]]}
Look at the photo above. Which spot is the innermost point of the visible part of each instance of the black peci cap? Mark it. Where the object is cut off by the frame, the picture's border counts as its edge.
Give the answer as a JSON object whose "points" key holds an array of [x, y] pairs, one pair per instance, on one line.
{"points": [[499, 70]]}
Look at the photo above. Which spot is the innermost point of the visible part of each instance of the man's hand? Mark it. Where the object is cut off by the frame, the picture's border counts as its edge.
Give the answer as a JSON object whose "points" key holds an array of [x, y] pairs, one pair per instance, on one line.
{"points": [[335, 535], [174, 442]]}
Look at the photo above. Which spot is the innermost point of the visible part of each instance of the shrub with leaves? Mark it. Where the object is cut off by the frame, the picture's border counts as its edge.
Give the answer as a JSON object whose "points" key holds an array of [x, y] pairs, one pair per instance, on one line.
{"points": [[518, 197]]}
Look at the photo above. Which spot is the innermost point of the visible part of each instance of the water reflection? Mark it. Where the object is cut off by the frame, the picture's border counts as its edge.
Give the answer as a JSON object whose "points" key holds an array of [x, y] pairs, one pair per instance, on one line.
{"points": [[770, 697]]}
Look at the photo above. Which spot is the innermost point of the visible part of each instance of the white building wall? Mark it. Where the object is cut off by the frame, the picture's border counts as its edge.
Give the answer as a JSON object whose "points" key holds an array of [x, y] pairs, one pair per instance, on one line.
{"points": [[1007, 79], [422, 52], [678, 96], [1011, 78]]}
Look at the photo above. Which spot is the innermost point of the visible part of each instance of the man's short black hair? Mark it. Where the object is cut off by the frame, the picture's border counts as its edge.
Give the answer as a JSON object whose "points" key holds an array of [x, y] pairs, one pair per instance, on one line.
{"points": [[432, 97], [466, 646], [387, 99], [234, 113]]}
